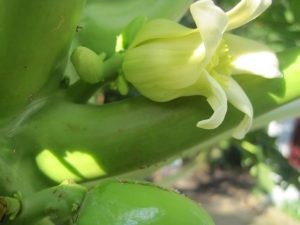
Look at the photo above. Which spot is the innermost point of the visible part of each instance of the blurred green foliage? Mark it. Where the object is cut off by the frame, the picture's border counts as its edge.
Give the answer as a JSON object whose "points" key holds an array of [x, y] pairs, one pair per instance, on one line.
{"points": [[259, 154], [279, 26], [292, 209]]}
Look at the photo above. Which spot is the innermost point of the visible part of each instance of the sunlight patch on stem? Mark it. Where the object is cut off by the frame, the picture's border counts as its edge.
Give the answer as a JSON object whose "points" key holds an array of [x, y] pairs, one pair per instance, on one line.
{"points": [[68, 166]]}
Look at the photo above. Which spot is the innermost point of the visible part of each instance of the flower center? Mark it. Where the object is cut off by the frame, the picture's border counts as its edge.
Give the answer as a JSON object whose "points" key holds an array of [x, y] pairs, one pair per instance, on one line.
{"points": [[220, 64]]}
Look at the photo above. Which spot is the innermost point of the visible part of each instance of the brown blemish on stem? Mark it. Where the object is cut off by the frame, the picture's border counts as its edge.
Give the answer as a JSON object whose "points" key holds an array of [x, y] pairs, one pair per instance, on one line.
{"points": [[78, 28], [73, 127], [59, 25]]}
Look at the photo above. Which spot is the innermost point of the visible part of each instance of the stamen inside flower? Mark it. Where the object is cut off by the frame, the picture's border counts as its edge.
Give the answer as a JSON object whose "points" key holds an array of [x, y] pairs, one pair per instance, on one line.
{"points": [[220, 64]]}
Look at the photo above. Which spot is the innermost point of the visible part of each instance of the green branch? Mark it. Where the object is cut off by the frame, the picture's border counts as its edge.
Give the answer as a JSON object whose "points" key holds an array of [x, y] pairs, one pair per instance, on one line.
{"points": [[58, 203]]}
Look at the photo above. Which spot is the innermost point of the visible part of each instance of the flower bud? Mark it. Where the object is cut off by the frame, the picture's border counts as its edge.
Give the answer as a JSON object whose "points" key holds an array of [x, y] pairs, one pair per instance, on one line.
{"points": [[88, 65], [163, 64]]}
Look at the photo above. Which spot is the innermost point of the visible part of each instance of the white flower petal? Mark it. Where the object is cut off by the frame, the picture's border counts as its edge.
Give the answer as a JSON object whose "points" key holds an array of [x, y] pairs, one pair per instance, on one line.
{"points": [[246, 11], [211, 22], [249, 56], [217, 100], [237, 97]]}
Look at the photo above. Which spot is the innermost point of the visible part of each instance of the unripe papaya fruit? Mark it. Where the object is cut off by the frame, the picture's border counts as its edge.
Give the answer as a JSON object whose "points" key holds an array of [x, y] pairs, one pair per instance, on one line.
{"points": [[132, 203]]}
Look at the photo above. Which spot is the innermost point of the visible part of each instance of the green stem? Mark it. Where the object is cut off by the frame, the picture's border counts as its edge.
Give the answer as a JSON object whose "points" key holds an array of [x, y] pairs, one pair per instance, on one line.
{"points": [[35, 37], [9, 208], [18, 171], [80, 92], [58, 203]]}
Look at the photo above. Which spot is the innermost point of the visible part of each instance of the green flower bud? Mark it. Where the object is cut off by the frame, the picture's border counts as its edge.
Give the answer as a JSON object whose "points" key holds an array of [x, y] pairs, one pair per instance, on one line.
{"points": [[88, 65], [164, 63]]}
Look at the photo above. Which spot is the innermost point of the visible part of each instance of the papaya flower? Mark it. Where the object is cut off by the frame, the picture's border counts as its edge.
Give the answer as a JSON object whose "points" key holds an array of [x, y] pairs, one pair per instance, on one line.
{"points": [[167, 60]]}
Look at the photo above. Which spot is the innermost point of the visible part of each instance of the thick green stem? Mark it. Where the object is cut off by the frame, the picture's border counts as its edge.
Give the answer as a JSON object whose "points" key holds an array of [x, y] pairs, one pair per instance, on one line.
{"points": [[18, 172], [80, 92], [58, 203], [34, 37]]}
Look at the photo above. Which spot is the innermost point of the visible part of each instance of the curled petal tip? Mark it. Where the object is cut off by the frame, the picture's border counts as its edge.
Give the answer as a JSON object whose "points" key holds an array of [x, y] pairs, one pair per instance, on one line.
{"points": [[245, 11], [217, 100], [242, 129], [237, 97], [216, 118]]}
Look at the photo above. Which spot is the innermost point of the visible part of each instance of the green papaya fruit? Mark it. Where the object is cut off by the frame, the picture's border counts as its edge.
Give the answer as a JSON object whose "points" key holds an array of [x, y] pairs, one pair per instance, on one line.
{"points": [[126, 202]]}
